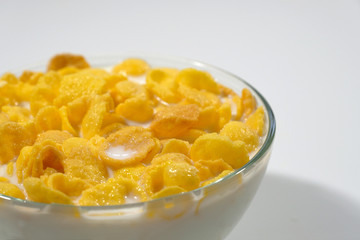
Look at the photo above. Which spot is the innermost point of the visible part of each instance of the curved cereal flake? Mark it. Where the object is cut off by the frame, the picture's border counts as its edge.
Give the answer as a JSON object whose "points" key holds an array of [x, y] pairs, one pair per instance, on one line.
{"points": [[110, 79], [176, 146], [55, 136], [9, 78], [113, 192], [11, 190], [81, 163], [224, 114], [218, 177], [68, 70], [93, 120], [110, 129], [60, 61], [39, 192], [191, 135], [181, 174], [211, 168], [198, 97], [65, 123], [208, 119], [129, 145], [77, 109], [78, 85], [256, 121], [134, 172], [212, 146], [168, 191], [248, 102], [169, 169], [240, 131], [33, 161], [197, 79], [13, 137], [48, 118], [30, 77], [132, 66], [71, 186], [127, 89], [174, 120], [136, 109], [239, 106], [17, 114], [161, 82]]}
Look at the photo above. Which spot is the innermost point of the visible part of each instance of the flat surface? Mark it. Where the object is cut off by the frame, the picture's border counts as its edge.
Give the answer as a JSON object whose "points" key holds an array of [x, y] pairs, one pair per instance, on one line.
{"points": [[303, 55]]}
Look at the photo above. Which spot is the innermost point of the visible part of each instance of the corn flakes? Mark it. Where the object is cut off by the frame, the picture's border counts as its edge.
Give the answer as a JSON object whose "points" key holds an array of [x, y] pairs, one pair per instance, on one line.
{"points": [[174, 120], [91, 136], [39, 192], [67, 60], [212, 146]]}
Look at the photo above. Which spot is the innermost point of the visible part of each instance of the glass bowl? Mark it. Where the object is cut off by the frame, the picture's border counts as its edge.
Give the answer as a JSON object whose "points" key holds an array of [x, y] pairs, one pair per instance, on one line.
{"points": [[210, 212]]}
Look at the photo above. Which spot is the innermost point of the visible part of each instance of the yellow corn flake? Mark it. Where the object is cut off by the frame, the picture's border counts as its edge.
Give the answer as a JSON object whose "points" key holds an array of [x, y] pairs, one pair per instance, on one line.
{"points": [[176, 146], [71, 186], [168, 191], [77, 109], [11, 190], [240, 131], [181, 174], [127, 89], [17, 114], [67, 70], [256, 121], [80, 162], [129, 145], [110, 79], [191, 135], [220, 176], [197, 79], [198, 97], [67, 60], [78, 85], [167, 170], [30, 77], [174, 120], [208, 119], [65, 123], [132, 66], [239, 106], [55, 136], [110, 129], [48, 118], [211, 168], [93, 120], [39, 192], [136, 109], [33, 160], [206, 132], [115, 191], [9, 78], [224, 114], [13, 137], [134, 173], [161, 82], [248, 102], [213, 146]]}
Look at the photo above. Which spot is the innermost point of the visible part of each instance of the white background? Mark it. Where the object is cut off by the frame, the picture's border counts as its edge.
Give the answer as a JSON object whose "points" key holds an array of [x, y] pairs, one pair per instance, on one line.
{"points": [[303, 55]]}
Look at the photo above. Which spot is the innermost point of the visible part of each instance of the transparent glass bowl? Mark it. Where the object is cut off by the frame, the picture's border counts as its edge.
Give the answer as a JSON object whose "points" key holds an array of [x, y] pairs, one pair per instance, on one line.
{"points": [[210, 212]]}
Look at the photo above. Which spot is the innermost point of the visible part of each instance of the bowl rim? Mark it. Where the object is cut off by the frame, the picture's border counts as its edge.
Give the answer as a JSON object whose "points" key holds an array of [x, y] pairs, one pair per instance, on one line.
{"points": [[266, 146]]}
